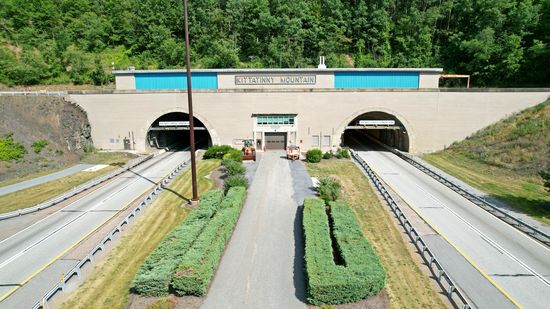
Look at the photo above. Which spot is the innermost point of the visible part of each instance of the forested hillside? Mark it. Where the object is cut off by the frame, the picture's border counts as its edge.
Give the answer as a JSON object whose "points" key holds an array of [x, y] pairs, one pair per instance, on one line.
{"points": [[498, 42]]}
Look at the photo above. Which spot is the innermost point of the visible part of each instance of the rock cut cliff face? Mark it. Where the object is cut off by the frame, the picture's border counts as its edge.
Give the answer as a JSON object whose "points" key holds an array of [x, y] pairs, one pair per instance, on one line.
{"points": [[63, 124]]}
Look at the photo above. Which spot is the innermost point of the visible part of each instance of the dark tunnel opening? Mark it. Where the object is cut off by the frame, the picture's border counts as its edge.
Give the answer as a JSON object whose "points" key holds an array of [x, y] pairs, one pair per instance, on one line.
{"points": [[171, 131], [366, 129]]}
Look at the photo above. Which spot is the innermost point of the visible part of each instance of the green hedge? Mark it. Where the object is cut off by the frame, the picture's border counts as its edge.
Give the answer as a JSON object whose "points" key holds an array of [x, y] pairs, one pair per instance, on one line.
{"points": [[198, 265], [314, 155], [153, 277], [223, 152], [361, 274]]}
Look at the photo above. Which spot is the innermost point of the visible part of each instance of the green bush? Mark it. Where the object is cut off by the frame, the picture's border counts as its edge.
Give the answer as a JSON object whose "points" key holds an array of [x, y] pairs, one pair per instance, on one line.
{"points": [[235, 181], [328, 155], [314, 155], [361, 274], [217, 151], [11, 150], [197, 267], [234, 154], [153, 277], [39, 145], [329, 188], [344, 152], [233, 167]]}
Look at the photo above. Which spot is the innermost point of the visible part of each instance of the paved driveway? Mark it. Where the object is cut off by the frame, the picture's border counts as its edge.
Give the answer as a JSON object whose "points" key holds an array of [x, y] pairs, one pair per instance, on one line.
{"points": [[263, 263]]}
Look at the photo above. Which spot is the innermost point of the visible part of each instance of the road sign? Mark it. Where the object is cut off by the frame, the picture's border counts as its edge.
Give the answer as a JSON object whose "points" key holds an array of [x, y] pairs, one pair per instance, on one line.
{"points": [[173, 123], [376, 122]]}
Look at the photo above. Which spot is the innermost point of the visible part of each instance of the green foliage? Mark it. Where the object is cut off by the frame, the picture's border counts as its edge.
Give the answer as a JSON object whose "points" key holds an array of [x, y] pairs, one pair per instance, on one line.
{"points": [[504, 42], [197, 266], [329, 188], [10, 149], [237, 180], [545, 175], [217, 151], [361, 274], [233, 167], [153, 277], [518, 143], [314, 155], [39, 145], [344, 153], [328, 155], [234, 154]]}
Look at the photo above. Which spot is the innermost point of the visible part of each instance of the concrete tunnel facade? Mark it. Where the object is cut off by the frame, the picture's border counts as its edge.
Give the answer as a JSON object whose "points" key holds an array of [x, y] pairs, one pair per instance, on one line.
{"points": [[316, 115]]}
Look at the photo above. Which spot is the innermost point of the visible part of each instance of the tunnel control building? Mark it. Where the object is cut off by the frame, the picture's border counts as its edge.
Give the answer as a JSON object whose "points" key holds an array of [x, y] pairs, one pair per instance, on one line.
{"points": [[311, 108]]}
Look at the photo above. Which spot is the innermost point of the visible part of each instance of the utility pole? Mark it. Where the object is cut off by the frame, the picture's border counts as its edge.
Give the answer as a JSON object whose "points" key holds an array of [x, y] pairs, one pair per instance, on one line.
{"points": [[190, 105]]}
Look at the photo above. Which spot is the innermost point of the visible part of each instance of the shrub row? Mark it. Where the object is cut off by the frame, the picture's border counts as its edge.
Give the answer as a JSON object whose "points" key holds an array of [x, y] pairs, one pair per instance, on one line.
{"points": [[222, 152], [235, 172], [361, 274], [197, 267], [153, 277], [315, 155], [338, 154]]}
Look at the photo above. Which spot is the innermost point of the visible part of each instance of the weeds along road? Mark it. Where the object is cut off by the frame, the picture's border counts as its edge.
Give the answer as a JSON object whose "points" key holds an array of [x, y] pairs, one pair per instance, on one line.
{"points": [[26, 253], [513, 262]]}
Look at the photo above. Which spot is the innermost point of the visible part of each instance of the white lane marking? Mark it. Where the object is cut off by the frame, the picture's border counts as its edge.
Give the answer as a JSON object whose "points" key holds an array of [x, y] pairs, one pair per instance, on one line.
{"points": [[71, 204], [391, 156], [486, 238], [15, 256]]}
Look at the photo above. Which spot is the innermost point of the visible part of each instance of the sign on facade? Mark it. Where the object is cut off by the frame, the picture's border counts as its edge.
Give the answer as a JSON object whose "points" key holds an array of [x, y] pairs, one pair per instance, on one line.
{"points": [[376, 122], [173, 123], [276, 80]]}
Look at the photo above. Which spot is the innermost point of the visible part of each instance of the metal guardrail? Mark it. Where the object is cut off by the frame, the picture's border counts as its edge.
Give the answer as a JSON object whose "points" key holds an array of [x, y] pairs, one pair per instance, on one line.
{"points": [[33, 93], [517, 223], [454, 294], [76, 190], [100, 247]]}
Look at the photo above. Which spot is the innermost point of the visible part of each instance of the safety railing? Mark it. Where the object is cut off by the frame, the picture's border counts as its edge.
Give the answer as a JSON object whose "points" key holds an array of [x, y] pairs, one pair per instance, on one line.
{"points": [[100, 247], [453, 293], [76, 190], [517, 223]]}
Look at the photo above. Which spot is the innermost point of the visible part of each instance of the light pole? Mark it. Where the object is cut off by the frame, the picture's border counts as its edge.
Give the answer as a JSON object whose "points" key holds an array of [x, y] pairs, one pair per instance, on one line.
{"points": [[190, 106]]}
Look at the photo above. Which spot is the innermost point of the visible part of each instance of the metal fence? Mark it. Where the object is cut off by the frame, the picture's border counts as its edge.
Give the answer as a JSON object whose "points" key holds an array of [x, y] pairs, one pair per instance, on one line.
{"points": [[100, 247], [475, 199], [76, 190], [454, 294]]}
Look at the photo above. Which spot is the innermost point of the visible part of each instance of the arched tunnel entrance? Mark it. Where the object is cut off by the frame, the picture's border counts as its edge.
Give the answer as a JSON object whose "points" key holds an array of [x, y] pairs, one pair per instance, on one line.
{"points": [[172, 131], [367, 128]]}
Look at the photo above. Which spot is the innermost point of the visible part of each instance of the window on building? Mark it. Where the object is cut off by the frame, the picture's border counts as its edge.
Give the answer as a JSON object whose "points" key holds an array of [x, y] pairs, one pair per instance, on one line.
{"points": [[315, 141], [326, 141], [275, 119]]}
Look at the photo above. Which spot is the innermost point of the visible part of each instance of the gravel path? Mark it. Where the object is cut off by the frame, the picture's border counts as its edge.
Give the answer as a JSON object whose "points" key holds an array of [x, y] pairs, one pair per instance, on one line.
{"points": [[43, 179], [263, 263]]}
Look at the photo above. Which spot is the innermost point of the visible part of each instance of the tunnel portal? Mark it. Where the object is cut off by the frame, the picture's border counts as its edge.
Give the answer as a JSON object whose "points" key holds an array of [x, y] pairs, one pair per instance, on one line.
{"points": [[370, 127], [171, 131]]}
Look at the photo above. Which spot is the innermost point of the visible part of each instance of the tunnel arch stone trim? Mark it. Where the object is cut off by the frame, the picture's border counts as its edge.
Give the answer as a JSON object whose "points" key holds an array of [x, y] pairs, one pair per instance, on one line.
{"points": [[151, 119], [408, 126]]}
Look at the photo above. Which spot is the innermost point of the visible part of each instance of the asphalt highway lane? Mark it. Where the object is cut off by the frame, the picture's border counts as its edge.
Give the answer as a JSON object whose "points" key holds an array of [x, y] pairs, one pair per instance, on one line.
{"points": [[32, 249], [516, 264]]}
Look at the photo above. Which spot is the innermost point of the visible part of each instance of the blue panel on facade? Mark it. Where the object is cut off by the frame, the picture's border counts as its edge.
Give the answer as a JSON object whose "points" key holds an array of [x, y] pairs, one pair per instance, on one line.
{"points": [[160, 81], [376, 79]]}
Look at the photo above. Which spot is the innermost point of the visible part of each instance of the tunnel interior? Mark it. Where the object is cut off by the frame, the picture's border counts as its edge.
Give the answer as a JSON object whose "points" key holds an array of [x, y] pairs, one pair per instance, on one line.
{"points": [[365, 130], [165, 132]]}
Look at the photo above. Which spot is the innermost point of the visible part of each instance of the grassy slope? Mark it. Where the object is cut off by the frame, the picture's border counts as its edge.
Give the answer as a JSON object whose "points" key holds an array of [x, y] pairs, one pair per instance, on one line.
{"points": [[37, 194], [108, 285], [504, 160], [406, 286]]}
